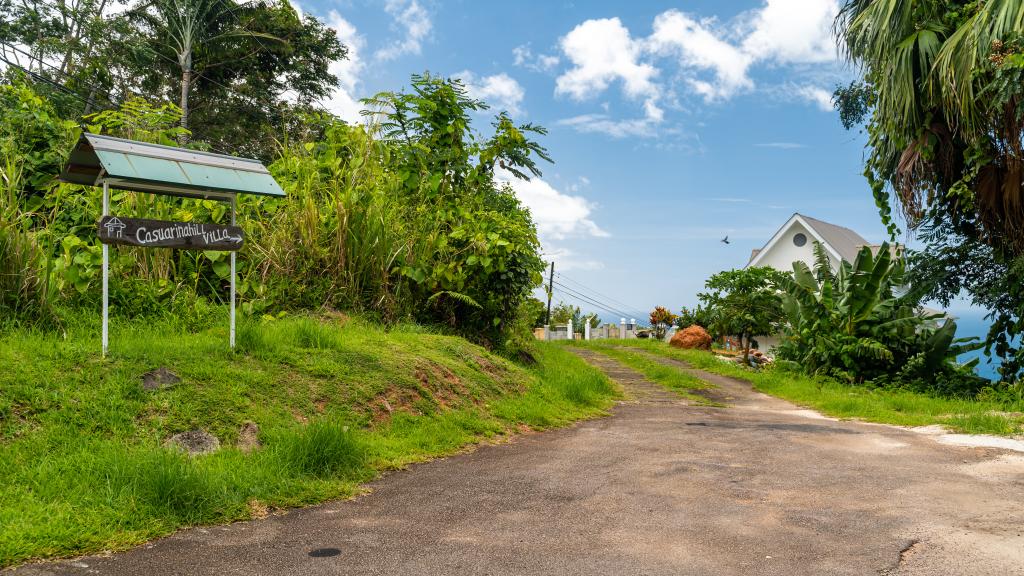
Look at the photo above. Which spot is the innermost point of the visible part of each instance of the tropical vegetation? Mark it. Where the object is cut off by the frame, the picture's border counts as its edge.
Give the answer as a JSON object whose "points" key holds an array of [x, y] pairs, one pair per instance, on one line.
{"points": [[861, 324], [375, 221], [660, 319], [942, 99]]}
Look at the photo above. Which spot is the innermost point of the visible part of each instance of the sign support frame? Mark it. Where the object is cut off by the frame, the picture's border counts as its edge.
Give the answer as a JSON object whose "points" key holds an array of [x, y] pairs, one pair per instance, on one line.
{"points": [[231, 338], [106, 273], [105, 335]]}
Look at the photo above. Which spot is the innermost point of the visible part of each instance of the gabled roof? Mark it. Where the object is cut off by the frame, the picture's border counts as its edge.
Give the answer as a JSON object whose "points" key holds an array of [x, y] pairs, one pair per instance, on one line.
{"points": [[841, 242], [145, 167]]}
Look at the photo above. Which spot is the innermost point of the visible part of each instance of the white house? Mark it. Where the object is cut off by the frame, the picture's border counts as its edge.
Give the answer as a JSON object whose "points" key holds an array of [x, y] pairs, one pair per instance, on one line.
{"points": [[795, 241]]}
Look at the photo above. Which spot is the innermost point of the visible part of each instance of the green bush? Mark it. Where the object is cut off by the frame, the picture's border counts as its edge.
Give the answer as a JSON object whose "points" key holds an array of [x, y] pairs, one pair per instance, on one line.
{"points": [[860, 324]]}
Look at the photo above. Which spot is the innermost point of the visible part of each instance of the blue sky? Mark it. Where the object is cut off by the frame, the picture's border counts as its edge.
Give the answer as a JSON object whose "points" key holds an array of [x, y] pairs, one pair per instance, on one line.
{"points": [[672, 124]]}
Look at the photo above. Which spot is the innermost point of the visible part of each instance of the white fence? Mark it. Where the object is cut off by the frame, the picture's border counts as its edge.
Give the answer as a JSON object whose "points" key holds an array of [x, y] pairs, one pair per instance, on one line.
{"points": [[603, 332]]}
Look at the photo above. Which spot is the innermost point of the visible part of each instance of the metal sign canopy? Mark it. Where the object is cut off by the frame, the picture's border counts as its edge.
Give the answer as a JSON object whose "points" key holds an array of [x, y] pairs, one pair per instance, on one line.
{"points": [[155, 169]]}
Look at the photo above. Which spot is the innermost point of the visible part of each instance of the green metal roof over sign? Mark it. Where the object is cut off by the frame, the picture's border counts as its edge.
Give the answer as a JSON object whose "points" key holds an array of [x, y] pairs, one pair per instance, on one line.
{"points": [[144, 167]]}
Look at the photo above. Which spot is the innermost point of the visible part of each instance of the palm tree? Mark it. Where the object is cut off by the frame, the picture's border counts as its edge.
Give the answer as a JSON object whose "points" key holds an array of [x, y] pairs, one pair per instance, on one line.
{"points": [[946, 128], [188, 26]]}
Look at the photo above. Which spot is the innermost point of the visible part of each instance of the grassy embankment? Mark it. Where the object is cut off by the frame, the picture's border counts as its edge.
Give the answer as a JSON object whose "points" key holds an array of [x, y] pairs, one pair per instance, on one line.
{"points": [[887, 406], [682, 383], [83, 466]]}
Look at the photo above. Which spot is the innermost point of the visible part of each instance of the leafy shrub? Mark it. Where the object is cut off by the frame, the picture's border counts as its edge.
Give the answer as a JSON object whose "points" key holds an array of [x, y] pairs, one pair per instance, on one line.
{"points": [[852, 325]]}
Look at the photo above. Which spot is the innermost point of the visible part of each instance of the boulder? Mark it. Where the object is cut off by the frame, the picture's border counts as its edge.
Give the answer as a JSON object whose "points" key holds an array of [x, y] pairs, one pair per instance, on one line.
{"points": [[692, 338], [194, 442], [159, 379]]}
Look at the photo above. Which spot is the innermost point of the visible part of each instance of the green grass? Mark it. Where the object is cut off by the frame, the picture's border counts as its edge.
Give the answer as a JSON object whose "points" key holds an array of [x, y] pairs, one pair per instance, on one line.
{"points": [[676, 380], [82, 462], [887, 406]]}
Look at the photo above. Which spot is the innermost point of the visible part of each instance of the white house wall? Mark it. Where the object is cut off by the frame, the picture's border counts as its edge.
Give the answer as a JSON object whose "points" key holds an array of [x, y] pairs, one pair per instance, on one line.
{"points": [[784, 252]]}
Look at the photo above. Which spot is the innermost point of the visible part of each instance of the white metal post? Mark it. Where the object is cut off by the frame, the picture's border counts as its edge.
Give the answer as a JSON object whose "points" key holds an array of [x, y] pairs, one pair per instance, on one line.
{"points": [[232, 331], [106, 271], [622, 328]]}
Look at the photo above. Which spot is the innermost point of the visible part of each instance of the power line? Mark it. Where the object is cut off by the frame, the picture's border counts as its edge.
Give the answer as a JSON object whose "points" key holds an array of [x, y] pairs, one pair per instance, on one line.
{"points": [[45, 80], [67, 76], [577, 298], [597, 295], [584, 298]]}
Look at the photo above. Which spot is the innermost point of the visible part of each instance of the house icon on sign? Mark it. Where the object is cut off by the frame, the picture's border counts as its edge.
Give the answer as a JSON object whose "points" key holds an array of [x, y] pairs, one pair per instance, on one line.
{"points": [[114, 227]]}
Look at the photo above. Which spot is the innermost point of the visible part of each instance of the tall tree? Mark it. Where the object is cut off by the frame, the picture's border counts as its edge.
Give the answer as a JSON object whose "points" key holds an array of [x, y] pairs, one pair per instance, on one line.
{"points": [[945, 82], [942, 96], [190, 28]]}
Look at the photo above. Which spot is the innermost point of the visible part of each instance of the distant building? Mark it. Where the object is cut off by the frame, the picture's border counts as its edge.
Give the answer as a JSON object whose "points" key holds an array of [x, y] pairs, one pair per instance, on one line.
{"points": [[795, 241]]}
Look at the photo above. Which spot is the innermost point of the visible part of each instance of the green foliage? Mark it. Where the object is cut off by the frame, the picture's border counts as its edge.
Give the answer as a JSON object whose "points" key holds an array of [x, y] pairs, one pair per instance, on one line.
{"points": [[372, 226], [563, 314], [703, 316], [852, 325], [327, 447], [745, 303], [941, 96]]}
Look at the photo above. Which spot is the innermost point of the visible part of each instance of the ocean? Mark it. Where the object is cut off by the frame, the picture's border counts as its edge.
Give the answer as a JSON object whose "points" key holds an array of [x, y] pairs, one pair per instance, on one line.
{"points": [[972, 322]]}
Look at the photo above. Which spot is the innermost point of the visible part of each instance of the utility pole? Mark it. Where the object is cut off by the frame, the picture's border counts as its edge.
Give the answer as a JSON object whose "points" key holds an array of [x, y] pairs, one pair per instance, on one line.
{"points": [[551, 284]]}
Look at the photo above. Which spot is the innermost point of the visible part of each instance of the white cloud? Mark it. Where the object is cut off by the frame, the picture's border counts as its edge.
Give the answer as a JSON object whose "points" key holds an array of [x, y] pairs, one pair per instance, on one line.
{"points": [[343, 102], [699, 46], [715, 60], [414, 21], [500, 91], [602, 52], [793, 31], [819, 96], [605, 124], [567, 260], [524, 57], [558, 215]]}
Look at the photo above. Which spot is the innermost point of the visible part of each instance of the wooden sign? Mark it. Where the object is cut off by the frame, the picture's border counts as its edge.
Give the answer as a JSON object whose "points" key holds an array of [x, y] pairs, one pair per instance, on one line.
{"points": [[163, 234]]}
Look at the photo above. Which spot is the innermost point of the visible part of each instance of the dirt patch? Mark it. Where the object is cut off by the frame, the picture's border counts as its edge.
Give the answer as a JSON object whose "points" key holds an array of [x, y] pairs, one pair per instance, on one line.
{"points": [[495, 370], [248, 437], [159, 379], [194, 442]]}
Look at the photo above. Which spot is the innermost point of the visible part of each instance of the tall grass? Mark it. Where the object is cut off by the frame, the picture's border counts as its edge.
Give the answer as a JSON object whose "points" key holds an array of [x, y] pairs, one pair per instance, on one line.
{"points": [[25, 290]]}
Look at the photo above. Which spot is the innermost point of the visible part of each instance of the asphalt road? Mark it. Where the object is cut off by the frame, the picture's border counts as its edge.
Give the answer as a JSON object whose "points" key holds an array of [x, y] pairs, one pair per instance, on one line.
{"points": [[659, 487]]}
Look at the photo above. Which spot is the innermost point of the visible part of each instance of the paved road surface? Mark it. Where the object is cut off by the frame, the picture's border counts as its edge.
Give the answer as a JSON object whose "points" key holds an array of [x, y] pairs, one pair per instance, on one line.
{"points": [[660, 487]]}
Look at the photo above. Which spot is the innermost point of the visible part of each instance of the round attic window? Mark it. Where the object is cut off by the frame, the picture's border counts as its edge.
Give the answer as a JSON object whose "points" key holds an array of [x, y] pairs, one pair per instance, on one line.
{"points": [[799, 239]]}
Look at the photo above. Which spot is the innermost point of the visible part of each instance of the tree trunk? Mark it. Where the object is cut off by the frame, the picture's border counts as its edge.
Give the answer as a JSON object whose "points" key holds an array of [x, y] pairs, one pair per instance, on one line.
{"points": [[745, 343], [186, 84]]}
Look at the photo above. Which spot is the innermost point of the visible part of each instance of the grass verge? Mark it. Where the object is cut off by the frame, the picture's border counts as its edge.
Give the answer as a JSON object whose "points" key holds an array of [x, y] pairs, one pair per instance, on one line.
{"points": [[84, 468], [882, 405], [682, 383]]}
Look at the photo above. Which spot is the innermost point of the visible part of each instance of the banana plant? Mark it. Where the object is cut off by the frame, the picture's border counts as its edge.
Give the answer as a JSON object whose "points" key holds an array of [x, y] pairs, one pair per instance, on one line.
{"points": [[860, 323]]}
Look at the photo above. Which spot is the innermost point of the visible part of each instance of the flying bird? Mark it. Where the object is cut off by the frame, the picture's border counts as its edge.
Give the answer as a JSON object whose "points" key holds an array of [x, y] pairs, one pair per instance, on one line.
{"points": [[725, 240]]}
